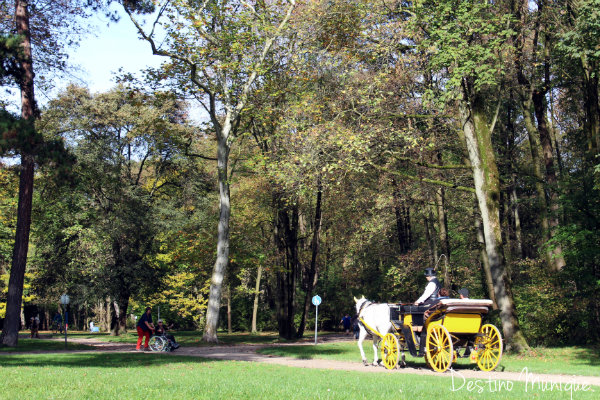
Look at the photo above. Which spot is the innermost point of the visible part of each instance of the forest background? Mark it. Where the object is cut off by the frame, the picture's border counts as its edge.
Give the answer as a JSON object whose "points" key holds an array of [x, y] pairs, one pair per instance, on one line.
{"points": [[346, 147]]}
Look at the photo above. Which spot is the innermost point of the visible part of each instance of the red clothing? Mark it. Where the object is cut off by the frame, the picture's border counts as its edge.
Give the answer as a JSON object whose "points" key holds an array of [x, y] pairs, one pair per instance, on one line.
{"points": [[142, 333]]}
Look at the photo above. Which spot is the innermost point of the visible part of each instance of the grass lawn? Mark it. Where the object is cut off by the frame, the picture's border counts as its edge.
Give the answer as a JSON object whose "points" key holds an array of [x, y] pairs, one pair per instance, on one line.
{"points": [[564, 360], [152, 376]]}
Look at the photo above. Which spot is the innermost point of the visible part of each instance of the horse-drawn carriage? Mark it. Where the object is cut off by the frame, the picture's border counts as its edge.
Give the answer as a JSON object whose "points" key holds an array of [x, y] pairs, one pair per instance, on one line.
{"points": [[443, 332]]}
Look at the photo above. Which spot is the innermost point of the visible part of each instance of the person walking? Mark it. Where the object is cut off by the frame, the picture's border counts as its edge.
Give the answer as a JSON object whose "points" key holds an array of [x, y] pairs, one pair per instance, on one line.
{"points": [[346, 322], [144, 327]]}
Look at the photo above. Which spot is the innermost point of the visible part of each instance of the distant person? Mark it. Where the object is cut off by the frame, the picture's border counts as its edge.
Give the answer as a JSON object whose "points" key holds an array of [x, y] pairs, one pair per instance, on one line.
{"points": [[443, 294], [57, 322], [346, 323], [463, 293], [144, 327], [34, 325], [432, 289], [161, 329]]}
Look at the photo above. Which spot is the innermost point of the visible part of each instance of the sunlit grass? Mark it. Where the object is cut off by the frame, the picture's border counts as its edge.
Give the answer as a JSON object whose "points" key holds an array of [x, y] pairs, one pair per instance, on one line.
{"points": [[153, 376], [562, 360]]}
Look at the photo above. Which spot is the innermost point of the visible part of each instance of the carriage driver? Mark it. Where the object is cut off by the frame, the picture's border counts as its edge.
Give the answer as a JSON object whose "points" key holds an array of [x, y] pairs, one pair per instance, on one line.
{"points": [[431, 290]]}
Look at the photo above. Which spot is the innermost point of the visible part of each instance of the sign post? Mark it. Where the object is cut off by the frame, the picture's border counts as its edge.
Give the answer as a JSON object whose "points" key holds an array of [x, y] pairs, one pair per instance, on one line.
{"points": [[316, 300], [64, 300]]}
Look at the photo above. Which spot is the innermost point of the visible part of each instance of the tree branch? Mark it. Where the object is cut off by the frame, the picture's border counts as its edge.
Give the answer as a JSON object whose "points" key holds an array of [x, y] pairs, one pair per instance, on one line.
{"points": [[425, 180]]}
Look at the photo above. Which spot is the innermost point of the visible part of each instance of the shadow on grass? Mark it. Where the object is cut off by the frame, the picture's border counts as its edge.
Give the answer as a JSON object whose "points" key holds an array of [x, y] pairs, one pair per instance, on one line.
{"points": [[97, 360], [588, 355], [30, 345]]}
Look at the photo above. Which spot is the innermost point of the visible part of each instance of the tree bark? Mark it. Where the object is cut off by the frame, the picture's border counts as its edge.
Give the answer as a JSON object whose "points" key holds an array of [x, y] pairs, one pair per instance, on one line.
{"points": [[430, 238], [591, 104], [487, 189], [229, 328], [222, 261], [514, 206], [485, 262], [540, 107], [286, 235], [256, 298], [118, 311], [403, 227], [312, 275], [442, 219], [14, 298]]}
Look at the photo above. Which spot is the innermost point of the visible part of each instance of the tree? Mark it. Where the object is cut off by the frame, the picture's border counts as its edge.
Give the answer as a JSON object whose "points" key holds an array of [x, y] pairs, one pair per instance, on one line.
{"points": [[126, 144], [217, 52], [28, 114], [41, 28], [470, 40]]}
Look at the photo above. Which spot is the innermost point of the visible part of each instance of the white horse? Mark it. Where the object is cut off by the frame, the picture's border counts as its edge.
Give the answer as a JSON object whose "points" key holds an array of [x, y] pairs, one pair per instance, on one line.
{"points": [[372, 318]]}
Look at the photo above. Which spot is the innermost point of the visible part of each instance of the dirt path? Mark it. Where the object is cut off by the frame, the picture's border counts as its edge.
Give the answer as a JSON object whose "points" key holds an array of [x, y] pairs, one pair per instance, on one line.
{"points": [[249, 353]]}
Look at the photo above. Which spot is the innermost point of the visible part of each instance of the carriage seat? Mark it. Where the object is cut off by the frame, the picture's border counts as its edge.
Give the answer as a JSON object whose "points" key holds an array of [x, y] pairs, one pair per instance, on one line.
{"points": [[461, 306]]}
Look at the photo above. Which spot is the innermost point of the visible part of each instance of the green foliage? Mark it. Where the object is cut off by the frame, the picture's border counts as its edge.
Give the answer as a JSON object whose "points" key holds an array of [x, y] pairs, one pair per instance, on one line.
{"points": [[10, 53], [581, 41], [466, 39], [99, 237]]}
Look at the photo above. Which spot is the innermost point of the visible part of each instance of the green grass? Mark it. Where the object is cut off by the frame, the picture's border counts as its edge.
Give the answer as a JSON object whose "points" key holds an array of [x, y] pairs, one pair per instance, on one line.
{"points": [[150, 376], [29, 345], [565, 360]]}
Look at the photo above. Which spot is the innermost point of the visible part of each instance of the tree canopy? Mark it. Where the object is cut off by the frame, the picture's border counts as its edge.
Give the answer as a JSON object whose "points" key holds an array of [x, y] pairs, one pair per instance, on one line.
{"points": [[345, 147]]}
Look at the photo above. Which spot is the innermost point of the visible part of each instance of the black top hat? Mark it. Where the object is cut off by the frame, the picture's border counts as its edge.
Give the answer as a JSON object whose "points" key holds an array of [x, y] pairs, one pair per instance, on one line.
{"points": [[464, 292], [429, 272]]}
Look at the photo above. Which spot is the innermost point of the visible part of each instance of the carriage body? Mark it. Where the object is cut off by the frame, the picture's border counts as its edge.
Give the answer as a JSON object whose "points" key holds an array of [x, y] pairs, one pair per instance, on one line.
{"points": [[443, 332]]}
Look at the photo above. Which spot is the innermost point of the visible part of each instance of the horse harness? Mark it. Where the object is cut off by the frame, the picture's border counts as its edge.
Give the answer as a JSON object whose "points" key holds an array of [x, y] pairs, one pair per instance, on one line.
{"points": [[361, 321]]}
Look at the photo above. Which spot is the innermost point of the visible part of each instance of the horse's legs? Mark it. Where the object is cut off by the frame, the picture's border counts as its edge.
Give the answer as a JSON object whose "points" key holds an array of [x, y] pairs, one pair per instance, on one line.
{"points": [[376, 340], [361, 337]]}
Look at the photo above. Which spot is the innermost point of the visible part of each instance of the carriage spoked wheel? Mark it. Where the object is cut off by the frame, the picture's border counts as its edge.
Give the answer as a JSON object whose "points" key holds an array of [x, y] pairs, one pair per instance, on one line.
{"points": [[489, 347], [439, 350], [157, 343], [390, 351]]}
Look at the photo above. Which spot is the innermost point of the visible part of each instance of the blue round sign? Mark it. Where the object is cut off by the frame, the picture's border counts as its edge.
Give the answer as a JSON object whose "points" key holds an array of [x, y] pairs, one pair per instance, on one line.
{"points": [[316, 300]]}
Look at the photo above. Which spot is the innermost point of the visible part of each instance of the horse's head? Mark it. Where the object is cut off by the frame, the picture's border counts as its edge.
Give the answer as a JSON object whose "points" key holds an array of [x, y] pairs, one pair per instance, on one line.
{"points": [[359, 303]]}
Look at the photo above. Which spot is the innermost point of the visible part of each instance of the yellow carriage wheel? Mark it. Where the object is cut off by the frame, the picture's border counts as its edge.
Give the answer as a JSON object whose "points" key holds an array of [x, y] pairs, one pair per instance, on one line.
{"points": [[489, 347], [439, 350], [390, 351]]}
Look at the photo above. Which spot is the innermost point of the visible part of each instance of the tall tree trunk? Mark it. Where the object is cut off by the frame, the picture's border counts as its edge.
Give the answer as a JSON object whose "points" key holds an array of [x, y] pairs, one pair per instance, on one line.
{"points": [[312, 275], [591, 104], [536, 158], [554, 134], [108, 314], [540, 107], [485, 261], [222, 261], [118, 314], [14, 297], [229, 328], [403, 227], [430, 238], [442, 219], [115, 315], [286, 235], [477, 134], [514, 206], [256, 298]]}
